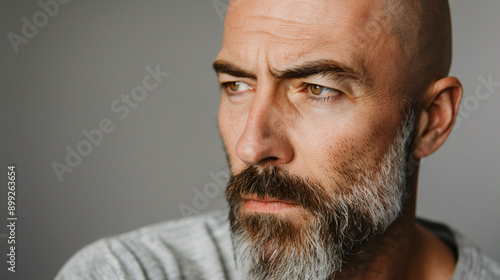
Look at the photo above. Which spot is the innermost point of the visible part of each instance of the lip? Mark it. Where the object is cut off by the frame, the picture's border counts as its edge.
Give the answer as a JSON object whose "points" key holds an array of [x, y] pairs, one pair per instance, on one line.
{"points": [[266, 205]]}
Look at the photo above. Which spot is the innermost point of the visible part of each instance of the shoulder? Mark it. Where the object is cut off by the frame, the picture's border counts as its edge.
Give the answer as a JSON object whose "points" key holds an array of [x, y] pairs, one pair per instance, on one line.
{"points": [[471, 262], [192, 248], [491, 269]]}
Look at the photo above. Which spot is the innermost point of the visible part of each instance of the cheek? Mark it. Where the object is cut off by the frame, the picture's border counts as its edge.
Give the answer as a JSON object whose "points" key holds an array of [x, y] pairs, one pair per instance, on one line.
{"points": [[332, 152], [231, 125]]}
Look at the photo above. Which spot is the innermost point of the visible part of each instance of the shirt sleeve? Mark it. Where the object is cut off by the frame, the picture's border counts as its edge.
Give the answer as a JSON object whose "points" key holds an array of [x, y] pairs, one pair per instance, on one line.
{"points": [[193, 248], [95, 261]]}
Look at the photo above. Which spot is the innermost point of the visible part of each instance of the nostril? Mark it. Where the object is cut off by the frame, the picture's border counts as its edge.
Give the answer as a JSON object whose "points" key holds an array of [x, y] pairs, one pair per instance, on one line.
{"points": [[268, 159]]}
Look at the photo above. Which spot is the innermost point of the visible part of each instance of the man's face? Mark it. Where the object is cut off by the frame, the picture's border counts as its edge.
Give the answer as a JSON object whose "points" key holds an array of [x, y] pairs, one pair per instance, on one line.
{"points": [[309, 124], [310, 100]]}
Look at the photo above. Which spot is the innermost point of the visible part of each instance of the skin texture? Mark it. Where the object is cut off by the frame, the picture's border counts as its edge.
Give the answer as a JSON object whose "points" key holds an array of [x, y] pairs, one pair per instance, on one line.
{"points": [[393, 55], [316, 237]]}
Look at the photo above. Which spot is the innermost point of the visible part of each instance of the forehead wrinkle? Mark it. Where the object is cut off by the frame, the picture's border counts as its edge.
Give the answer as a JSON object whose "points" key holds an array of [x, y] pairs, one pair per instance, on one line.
{"points": [[275, 60], [288, 19], [337, 30], [275, 27]]}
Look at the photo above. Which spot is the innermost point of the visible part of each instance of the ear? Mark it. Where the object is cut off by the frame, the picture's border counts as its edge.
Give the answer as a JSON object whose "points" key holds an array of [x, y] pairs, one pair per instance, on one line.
{"points": [[439, 108]]}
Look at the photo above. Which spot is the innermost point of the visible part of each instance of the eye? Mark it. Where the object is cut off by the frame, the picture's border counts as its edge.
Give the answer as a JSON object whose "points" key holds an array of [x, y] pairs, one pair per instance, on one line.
{"points": [[320, 90], [320, 94], [234, 87]]}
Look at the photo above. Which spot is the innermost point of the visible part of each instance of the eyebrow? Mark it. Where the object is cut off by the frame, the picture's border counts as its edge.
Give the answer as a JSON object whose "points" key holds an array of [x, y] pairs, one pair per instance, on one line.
{"points": [[225, 67], [323, 67]]}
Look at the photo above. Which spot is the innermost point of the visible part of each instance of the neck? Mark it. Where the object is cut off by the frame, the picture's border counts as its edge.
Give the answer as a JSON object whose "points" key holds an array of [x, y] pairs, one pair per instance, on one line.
{"points": [[404, 251], [387, 256]]}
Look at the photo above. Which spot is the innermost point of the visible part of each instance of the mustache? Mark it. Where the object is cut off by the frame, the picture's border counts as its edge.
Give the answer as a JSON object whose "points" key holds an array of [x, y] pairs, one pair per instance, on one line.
{"points": [[339, 220], [276, 183]]}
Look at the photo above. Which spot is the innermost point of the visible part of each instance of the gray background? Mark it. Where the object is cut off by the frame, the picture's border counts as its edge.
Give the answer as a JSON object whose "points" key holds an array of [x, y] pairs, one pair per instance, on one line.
{"points": [[90, 53]]}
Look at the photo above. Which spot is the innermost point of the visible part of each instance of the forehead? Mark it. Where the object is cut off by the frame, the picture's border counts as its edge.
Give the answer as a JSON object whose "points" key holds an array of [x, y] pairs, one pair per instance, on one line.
{"points": [[284, 32]]}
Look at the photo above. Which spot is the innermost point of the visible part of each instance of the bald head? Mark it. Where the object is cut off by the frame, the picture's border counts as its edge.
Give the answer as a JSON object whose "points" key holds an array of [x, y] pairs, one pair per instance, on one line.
{"points": [[423, 29], [417, 31]]}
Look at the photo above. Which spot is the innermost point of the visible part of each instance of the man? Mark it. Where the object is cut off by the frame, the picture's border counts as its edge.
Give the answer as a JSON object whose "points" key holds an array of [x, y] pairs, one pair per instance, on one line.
{"points": [[327, 108]]}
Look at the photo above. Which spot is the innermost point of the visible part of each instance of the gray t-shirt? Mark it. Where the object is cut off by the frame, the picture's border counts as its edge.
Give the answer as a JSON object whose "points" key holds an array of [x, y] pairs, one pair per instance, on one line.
{"points": [[200, 248]]}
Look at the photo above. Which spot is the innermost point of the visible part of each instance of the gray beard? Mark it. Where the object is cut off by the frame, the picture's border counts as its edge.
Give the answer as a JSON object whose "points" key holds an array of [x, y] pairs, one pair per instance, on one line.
{"points": [[317, 242]]}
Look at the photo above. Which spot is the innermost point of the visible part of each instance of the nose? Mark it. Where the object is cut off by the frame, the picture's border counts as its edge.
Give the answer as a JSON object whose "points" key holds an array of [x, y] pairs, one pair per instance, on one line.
{"points": [[265, 139]]}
